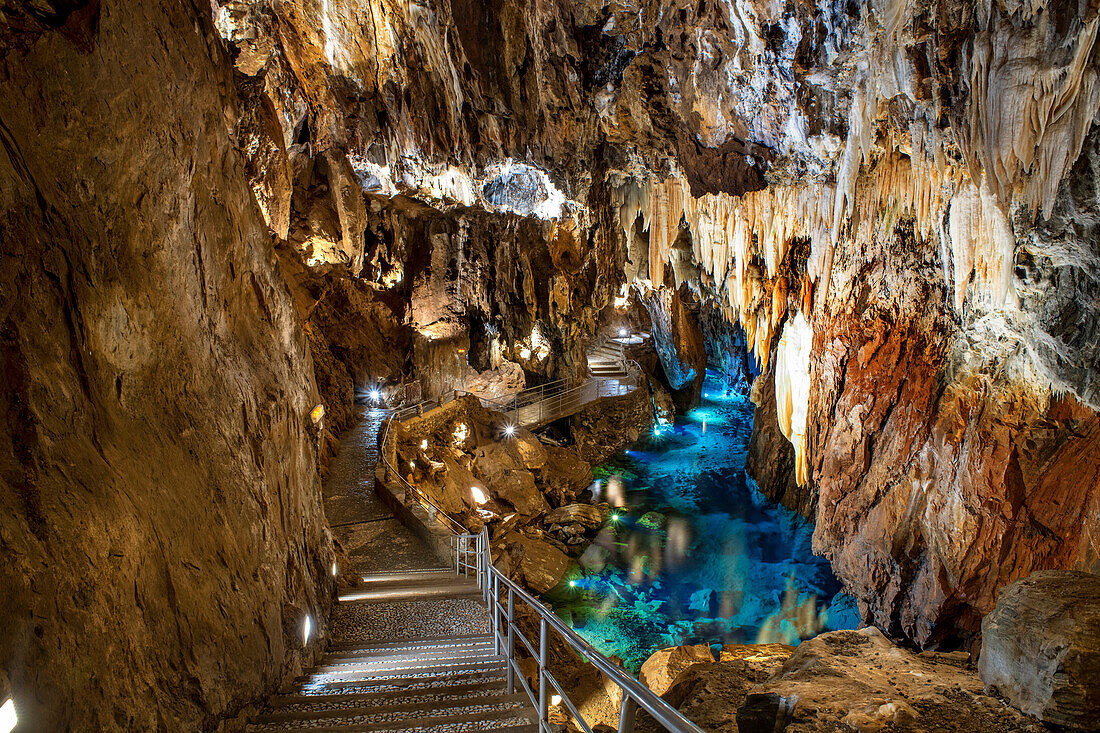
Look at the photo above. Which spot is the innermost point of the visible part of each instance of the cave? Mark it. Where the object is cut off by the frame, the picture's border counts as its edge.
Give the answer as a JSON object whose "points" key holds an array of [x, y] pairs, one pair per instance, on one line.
{"points": [[647, 365]]}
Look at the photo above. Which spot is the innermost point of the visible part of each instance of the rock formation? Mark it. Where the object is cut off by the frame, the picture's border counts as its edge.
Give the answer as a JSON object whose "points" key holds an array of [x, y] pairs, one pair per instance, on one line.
{"points": [[161, 524], [220, 224], [1041, 647]]}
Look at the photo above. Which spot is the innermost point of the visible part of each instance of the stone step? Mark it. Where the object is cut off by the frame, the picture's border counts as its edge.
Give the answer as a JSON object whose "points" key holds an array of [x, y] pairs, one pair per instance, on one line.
{"points": [[476, 642], [399, 590], [445, 689], [510, 717], [396, 713], [406, 660], [398, 576], [427, 683], [333, 680]]}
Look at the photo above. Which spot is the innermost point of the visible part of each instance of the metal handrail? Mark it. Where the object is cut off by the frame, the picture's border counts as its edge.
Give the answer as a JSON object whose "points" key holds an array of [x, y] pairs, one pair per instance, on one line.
{"points": [[489, 580], [434, 510]]}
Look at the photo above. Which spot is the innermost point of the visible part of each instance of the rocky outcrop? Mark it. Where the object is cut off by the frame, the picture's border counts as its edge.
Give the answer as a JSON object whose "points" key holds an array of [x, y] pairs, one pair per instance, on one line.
{"points": [[160, 513], [665, 665], [1041, 647], [859, 680], [608, 425], [679, 343]]}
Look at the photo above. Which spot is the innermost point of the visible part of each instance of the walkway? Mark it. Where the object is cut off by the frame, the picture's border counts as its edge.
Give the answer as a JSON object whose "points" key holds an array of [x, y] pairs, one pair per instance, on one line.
{"points": [[409, 649], [372, 537]]}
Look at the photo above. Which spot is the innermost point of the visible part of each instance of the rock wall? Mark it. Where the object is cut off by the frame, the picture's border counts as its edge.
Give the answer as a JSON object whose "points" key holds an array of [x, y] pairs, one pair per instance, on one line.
{"points": [[160, 516]]}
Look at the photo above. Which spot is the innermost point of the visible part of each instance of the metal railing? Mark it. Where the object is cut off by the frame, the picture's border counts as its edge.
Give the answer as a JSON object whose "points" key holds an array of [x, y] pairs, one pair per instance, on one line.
{"points": [[435, 512], [471, 555]]}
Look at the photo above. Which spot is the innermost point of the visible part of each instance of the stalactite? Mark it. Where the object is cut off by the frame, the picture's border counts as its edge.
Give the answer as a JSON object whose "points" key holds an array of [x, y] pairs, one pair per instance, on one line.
{"points": [[792, 388]]}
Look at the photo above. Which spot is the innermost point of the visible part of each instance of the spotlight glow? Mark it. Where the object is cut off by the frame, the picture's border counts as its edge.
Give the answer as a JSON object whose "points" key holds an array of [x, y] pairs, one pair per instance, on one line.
{"points": [[623, 332], [479, 495], [424, 444], [334, 570], [614, 517], [8, 718], [307, 627], [509, 430], [375, 395], [555, 699], [572, 584]]}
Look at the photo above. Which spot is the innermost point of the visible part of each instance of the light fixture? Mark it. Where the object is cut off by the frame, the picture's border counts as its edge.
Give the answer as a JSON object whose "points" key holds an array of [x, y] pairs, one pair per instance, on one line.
{"points": [[317, 413], [509, 430], [614, 517], [555, 699], [412, 464], [375, 395], [8, 718], [307, 627], [478, 494], [424, 444], [656, 432], [623, 332], [572, 584]]}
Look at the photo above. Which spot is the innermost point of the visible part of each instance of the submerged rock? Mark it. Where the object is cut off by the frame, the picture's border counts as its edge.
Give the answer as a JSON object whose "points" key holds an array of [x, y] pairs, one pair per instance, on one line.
{"points": [[1041, 647]]}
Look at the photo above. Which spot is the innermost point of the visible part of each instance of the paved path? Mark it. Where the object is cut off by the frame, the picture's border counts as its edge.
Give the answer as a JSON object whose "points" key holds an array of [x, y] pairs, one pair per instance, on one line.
{"points": [[366, 528], [409, 649]]}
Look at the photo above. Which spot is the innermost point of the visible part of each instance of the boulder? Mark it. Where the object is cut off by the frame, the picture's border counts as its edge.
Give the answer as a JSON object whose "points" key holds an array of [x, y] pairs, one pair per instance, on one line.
{"points": [[665, 665], [861, 681], [586, 515], [518, 489], [532, 453], [564, 474], [539, 564], [709, 693], [1041, 647]]}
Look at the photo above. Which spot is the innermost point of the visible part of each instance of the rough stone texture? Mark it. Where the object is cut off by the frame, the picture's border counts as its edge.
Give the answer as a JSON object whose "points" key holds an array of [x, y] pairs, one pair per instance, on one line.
{"points": [[679, 343], [160, 515], [610, 424], [1041, 647], [770, 459], [536, 562], [709, 693], [665, 665], [859, 680]]}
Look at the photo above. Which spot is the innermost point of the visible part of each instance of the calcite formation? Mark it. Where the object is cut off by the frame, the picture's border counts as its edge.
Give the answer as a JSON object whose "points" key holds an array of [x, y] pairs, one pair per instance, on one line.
{"points": [[217, 220]]}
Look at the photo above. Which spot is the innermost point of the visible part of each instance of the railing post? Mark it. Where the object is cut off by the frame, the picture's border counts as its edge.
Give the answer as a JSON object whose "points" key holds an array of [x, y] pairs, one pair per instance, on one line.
{"points": [[543, 691], [495, 625], [626, 714], [511, 642]]}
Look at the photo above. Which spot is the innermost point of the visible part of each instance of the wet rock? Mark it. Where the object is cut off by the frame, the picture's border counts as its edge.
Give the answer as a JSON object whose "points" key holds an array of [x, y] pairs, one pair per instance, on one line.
{"points": [[859, 680], [587, 516], [1041, 647]]}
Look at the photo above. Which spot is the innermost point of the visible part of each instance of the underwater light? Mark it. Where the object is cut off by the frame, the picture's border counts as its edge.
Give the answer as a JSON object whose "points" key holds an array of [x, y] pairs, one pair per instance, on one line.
{"points": [[572, 584], [8, 718], [614, 517], [656, 432]]}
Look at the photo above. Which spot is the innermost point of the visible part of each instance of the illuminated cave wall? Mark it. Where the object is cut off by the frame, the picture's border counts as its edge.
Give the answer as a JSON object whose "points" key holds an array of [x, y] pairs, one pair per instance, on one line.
{"points": [[160, 519]]}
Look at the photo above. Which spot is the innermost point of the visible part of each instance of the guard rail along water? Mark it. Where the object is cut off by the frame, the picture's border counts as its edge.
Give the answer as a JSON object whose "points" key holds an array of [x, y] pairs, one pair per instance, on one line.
{"points": [[471, 555]]}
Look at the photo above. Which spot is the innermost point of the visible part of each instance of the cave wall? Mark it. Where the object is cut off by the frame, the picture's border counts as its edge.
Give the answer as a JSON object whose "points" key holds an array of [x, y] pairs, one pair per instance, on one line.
{"points": [[160, 516]]}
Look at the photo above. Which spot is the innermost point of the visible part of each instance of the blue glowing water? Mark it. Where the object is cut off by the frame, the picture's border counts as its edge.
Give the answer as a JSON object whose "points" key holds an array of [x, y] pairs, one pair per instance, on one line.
{"points": [[697, 555]]}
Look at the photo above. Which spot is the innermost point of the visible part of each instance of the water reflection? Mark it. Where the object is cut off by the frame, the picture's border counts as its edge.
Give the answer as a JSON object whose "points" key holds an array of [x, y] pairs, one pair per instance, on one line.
{"points": [[693, 554]]}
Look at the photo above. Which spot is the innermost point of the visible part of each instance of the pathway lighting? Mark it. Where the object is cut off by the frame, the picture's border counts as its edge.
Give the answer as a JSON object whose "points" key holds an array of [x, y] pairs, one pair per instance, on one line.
{"points": [[307, 627], [375, 395], [8, 718], [509, 431], [623, 332]]}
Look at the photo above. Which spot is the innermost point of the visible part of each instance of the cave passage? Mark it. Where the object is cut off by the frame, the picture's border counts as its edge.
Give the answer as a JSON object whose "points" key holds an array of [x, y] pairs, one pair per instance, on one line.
{"points": [[696, 554]]}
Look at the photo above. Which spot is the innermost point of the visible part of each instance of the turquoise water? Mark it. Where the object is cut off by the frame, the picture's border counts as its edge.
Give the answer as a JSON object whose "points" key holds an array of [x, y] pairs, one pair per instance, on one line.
{"points": [[696, 554]]}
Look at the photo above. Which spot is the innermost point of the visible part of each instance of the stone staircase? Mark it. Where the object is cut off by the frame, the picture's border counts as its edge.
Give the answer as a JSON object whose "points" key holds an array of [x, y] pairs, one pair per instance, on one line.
{"points": [[410, 652], [606, 360]]}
